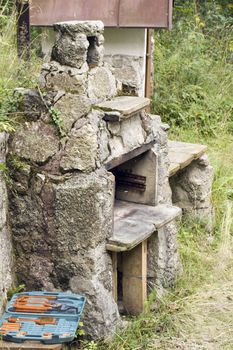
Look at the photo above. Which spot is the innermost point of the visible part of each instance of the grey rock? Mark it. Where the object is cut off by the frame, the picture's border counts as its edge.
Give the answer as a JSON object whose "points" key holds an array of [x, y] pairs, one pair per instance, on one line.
{"points": [[90, 28], [128, 72], [36, 142], [31, 104], [101, 84], [191, 191], [129, 128], [70, 50], [80, 150], [72, 107]]}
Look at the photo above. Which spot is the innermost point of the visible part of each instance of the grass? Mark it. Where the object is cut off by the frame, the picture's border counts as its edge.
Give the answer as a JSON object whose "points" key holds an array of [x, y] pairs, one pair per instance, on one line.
{"points": [[14, 72]]}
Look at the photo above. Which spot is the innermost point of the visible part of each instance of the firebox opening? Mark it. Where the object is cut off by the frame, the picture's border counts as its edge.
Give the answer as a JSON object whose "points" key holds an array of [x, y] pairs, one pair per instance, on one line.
{"points": [[135, 180], [92, 52]]}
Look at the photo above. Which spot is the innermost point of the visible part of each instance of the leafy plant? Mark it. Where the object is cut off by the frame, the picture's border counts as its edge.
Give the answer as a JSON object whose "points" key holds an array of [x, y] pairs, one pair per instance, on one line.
{"points": [[15, 290], [58, 120]]}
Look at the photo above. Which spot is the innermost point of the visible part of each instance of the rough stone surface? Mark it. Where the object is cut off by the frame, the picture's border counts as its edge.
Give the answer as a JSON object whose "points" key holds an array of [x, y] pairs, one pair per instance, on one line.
{"points": [[76, 45], [74, 40], [191, 190], [57, 77], [59, 235], [163, 258], [6, 254], [89, 28], [81, 150], [32, 104], [72, 107], [36, 142], [101, 84], [128, 72]]}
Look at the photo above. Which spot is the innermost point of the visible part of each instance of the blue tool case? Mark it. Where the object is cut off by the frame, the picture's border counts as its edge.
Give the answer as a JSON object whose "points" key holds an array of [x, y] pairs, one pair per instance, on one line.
{"points": [[51, 318]]}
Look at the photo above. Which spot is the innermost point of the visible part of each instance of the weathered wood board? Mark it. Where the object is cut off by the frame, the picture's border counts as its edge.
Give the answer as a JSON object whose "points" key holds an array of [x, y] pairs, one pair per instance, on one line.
{"points": [[29, 345], [134, 223], [181, 154], [134, 279]]}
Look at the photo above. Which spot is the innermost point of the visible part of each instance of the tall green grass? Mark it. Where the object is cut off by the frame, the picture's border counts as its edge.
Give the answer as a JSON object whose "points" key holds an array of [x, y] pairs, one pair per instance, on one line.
{"points": [[193, 71], [14, 72]]}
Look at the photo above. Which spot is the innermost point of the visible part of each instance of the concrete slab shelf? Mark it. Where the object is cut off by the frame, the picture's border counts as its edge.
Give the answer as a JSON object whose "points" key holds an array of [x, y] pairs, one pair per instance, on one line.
{"points": [[134, 223], [123, 107], [181, 154]]}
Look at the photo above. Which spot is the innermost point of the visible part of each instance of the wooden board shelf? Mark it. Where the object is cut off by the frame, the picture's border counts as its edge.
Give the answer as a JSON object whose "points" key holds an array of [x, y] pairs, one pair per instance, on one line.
{"points": [[134, 223]]}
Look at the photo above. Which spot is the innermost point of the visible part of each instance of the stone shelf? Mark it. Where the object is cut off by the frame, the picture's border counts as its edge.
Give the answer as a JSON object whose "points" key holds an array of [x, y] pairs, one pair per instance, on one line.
{"points": [[181, 154], [123, 107], [134, 223]]}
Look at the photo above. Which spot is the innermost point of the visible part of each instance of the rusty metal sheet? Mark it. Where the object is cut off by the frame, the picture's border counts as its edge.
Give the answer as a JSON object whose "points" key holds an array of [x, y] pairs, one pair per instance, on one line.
{"points": [[114, 13], [48, 12], [144, 13]]}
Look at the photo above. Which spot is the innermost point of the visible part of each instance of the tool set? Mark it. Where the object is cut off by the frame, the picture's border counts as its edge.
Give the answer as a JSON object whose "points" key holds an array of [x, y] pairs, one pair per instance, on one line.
{"points": [[48, 317]]}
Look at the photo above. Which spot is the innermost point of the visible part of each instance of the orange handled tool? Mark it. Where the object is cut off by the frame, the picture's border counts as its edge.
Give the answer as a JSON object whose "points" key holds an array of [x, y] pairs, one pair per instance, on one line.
{"points": [[31, 308], [40, 321], [9, 327], [25, 297]]}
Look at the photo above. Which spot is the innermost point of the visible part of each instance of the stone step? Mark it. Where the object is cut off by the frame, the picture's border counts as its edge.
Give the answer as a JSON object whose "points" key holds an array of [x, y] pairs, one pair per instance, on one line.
{"points": [[181, 154], [134, 223], [123, 107], [29, 345]]}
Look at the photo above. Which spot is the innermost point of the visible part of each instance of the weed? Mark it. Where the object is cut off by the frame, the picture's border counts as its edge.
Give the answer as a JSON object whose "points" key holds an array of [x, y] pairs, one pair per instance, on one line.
{"points": [[57, 120], [15, 290]]}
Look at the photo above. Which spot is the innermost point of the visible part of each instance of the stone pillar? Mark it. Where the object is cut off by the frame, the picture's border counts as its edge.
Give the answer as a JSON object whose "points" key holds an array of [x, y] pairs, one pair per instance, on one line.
{"points": [[6, 253], [61, 203], [163, 258]]}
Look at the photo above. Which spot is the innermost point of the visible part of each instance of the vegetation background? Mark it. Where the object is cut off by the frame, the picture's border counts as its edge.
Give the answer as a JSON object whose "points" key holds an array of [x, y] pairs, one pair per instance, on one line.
{"points": [[193, 93]]}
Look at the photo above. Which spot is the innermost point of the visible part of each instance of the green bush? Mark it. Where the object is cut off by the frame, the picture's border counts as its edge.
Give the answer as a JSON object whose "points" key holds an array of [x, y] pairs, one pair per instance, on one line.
{"points": [[193, 70]]}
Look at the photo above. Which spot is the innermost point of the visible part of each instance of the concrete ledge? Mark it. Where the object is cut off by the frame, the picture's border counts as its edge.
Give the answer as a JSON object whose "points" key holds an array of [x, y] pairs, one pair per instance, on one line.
{"points": [[181, 154]]}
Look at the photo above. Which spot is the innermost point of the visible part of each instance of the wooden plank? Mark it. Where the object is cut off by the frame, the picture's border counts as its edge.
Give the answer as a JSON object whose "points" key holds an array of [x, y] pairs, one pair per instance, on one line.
{"points": [[126, 105], [134, 223], [130, 155], [114, 276], [134, 279], [29, 345], [194, 149]]}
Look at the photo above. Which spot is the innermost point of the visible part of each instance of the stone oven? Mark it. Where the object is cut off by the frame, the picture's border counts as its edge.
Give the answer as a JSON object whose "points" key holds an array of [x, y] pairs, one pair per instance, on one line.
{"points": [[90, 204]]}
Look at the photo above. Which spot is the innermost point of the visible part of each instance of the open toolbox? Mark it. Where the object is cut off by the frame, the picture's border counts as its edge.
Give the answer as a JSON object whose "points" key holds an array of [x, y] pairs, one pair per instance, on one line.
{"points": [[51, 318]]}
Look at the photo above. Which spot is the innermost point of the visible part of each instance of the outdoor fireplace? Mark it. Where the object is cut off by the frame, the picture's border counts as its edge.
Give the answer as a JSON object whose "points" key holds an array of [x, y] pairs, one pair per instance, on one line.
{"points": [[90, 200]]}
